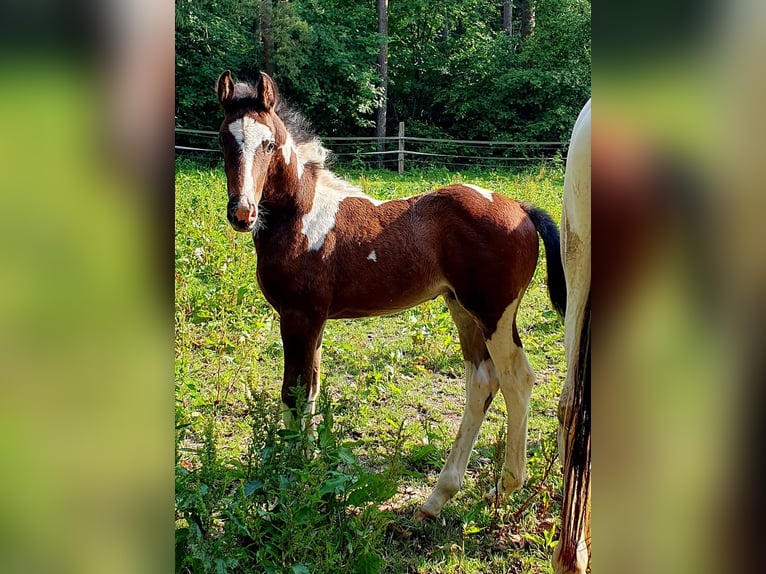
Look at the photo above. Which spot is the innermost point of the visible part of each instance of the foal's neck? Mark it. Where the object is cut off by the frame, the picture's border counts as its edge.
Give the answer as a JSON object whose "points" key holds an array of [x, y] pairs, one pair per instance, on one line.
{"points": [[289, 183]]}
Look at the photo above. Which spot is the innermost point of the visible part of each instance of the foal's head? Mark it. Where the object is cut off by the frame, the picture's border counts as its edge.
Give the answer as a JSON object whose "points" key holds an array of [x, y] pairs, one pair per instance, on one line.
{"points": [[248, 138]]}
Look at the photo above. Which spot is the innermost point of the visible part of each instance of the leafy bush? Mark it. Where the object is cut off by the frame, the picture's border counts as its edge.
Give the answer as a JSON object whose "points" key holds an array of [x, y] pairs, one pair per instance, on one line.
{"points": [[276, 509]]}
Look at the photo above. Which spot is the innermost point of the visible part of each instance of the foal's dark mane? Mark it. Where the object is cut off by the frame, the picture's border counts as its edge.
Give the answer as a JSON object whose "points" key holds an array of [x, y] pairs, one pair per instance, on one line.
{"points": [[309, 145], [246, 97], [296, 123]]}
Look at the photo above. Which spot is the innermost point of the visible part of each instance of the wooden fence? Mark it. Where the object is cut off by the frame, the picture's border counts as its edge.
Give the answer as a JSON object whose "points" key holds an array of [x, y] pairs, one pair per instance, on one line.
{"points": [[402, 151]]}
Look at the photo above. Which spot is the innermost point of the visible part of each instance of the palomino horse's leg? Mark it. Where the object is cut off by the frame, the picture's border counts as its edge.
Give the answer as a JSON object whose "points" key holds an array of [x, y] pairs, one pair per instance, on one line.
{"points": [[516, 381], [571, 553], [302, 341], [481, 386], [582, 552]]}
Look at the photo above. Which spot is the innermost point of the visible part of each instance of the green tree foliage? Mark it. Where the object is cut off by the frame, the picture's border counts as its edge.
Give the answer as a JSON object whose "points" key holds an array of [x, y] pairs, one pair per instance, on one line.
{"points": [[211, 36], [326, 62], [452, 70]]}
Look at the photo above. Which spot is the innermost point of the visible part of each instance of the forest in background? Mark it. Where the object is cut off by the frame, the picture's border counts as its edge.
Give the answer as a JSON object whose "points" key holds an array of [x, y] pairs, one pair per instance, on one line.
{"points": [[470, 69]]}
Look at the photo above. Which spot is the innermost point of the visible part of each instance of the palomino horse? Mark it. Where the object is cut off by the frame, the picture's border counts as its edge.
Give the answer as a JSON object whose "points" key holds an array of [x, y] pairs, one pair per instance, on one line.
{"points": [[328, 251], [571, 554]]}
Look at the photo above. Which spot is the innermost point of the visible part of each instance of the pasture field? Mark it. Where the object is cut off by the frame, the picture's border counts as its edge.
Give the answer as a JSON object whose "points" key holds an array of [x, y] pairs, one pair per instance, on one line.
{"points": [[247, 497]]}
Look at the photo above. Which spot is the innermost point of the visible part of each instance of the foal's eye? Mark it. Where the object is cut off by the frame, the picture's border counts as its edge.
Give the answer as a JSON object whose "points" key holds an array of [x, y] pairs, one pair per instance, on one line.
{"points": [[270, 146]]}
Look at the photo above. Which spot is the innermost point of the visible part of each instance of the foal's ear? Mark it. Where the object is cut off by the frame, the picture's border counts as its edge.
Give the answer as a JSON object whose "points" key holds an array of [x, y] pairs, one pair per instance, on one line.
{"points": [[267, 92], [225, 88]]}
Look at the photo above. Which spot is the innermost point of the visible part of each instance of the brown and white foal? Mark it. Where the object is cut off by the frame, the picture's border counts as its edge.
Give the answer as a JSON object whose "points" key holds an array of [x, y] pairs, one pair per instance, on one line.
{"points": [[328, 251]]}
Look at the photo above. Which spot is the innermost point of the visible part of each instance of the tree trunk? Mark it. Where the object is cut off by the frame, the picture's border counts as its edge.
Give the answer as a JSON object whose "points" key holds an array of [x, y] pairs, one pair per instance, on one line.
{"points": [[527, 18], [267, 13], [508, 17], [380, 119]]}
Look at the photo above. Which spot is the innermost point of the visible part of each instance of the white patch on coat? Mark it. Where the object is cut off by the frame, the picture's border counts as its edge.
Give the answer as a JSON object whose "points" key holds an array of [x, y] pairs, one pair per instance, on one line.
{"points": [[287, 149], [311, 151], [287, 152], [480, 190], [249, 134], [372, 256], [330, 191]]}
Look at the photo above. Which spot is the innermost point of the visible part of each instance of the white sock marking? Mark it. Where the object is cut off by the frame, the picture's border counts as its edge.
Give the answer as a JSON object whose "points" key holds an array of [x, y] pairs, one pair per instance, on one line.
{"points": [[481, 384], [516, 381]]}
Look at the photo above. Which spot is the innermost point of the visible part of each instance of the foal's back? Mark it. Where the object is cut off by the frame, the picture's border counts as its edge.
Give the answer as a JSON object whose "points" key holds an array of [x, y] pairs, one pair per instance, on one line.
{"points": [[391, 256]]}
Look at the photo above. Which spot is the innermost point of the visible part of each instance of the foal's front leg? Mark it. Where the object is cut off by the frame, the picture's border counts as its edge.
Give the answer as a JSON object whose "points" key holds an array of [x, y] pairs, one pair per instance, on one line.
{"points": [[302, 341]]}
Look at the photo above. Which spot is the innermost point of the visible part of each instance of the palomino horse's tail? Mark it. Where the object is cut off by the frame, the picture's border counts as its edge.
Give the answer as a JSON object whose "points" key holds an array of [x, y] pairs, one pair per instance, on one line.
{"points": [[576, 504], [546, 227]]}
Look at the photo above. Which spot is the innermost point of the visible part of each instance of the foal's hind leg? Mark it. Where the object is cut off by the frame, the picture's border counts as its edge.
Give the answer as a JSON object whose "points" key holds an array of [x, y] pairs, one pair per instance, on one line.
{"points": [[481, 386], [516, 381]]}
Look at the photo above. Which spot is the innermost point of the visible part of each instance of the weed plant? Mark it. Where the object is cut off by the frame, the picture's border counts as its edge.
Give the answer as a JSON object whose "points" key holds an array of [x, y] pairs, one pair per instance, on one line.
{"points": [[294, 502]]}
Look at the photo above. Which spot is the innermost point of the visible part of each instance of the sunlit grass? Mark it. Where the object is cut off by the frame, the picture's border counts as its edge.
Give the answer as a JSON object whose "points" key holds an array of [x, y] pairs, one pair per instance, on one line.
{"points": [[394, 384]]}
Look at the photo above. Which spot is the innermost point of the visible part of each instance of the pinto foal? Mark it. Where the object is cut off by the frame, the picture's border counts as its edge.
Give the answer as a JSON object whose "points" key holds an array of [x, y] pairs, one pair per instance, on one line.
{"points": [[328, 251]]}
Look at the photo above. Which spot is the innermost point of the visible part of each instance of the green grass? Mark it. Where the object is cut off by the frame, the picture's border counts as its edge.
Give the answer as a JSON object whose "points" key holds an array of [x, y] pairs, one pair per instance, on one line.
{"points": [[248, 500]]}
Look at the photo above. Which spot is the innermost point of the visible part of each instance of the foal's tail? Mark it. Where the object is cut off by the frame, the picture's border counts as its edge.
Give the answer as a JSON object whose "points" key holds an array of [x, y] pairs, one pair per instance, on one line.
{"points": [[546, 227]]}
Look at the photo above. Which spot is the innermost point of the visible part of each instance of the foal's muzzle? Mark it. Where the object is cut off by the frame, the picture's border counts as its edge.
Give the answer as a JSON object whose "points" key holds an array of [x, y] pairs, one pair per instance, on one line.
{"points": [[242, 214]]}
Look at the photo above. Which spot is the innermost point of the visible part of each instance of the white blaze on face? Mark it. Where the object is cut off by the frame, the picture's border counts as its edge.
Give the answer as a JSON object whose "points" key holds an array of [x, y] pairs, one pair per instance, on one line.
{"points": [[372, 256], [249, 135], [480, 190]]}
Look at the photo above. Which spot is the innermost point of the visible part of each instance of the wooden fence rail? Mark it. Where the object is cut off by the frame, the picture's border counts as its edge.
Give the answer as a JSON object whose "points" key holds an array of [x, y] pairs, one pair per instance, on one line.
{"points": [[397, 152]]}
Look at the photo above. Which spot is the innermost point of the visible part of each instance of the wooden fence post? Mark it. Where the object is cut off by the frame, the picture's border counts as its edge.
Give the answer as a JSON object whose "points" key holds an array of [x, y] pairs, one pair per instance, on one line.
{"points": [[401, 148]]}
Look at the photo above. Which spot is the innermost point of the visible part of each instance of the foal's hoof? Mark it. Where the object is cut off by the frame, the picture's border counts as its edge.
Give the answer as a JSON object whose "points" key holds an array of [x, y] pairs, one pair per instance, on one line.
{"points": [[503, 488], [422, 515]]}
